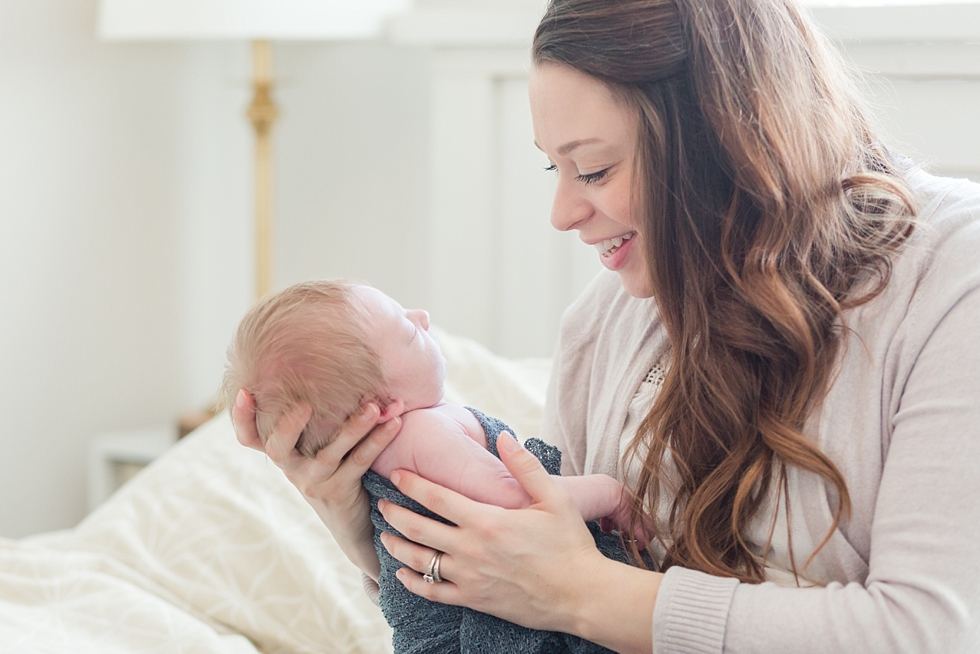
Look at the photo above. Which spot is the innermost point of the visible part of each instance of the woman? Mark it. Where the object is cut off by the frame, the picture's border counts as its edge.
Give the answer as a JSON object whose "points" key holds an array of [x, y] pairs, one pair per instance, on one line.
{"points": [[782, 365]]}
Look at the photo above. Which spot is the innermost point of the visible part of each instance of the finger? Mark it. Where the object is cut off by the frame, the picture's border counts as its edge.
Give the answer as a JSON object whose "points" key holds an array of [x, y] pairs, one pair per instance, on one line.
{"points": [[418, 558], [415, 556], [417, 528], [334, 460], [243, 420], [351, 433], [364, 453], [444, 592], [361, 459], [281, 446], [527, 470], [449, 504]]}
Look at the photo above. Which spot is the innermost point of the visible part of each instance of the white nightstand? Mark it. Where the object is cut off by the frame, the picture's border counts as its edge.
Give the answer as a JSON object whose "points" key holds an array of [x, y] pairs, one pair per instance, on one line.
{"points": [[114, 458]]}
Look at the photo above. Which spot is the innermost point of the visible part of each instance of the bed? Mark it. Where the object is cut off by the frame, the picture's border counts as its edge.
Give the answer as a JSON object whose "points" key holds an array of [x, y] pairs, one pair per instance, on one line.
{"points": [[211, 550]]}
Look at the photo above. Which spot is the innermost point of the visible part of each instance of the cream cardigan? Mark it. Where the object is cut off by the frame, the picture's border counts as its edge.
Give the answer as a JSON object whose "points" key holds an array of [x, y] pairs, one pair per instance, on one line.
{"points": [[901, 422]]}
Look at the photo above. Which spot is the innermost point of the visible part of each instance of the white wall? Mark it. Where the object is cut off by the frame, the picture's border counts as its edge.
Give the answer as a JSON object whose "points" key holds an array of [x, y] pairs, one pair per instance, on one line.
{"points": [[125, 182], [212, 212], [352, 162], [89, 294], [927, 95]]}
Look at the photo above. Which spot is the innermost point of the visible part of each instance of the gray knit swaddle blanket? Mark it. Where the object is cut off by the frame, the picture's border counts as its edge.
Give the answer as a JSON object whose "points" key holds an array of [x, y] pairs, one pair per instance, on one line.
{"points": [[424, 627]]}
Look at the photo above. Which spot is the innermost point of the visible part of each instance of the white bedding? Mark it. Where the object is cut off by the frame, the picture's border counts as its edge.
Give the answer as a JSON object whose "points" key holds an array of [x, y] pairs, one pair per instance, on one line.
{"points": [[211, 550]]}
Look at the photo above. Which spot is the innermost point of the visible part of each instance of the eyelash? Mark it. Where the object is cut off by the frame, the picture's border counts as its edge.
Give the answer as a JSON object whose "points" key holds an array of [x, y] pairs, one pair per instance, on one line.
{"points": [[591, 178]]}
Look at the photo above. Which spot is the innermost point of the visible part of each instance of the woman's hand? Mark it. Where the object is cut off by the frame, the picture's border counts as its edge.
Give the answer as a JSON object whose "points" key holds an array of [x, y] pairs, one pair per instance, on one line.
{"points": [[331, 482], [538, 566]]}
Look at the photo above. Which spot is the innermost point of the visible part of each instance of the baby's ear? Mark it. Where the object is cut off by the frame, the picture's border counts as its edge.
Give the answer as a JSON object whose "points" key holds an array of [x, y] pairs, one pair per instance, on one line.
{"points": [[393, 410]]}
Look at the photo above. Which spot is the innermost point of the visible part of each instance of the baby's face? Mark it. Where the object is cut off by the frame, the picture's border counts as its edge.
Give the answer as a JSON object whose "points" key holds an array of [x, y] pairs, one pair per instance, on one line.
{"points": [[410, 357]]}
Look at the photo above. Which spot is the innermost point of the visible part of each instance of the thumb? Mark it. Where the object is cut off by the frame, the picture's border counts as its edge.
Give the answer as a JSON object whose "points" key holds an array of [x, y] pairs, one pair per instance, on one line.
{"points": [[526, 468], [243, 420]]}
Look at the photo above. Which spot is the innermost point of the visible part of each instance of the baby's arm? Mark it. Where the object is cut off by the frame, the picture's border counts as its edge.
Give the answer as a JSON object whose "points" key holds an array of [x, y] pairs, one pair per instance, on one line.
{"points": [[596, 496], [441, 448]]}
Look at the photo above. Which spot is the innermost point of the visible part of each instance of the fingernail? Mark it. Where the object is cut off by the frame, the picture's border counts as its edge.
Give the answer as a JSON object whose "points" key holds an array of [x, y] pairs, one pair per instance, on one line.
{"points": [[396, 477], [366, 412], [240, 399], [401, 575], [381, 507], [508, 444]]}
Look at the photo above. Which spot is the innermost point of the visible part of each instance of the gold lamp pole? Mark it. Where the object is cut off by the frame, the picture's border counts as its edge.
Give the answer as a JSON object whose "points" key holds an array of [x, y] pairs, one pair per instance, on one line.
{"points": [[263, 113]]}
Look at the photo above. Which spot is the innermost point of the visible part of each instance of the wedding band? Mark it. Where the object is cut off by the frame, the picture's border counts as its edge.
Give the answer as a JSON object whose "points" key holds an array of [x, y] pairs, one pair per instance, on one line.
{"points": [[431, 575]]}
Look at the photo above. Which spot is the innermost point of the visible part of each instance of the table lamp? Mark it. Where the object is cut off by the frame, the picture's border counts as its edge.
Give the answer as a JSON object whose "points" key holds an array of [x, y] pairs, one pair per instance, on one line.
{"points": [[258, 21]]}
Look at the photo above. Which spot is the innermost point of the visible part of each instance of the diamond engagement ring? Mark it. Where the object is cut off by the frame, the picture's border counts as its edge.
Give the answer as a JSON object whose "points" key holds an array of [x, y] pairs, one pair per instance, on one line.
{"points": [[431, 575]]}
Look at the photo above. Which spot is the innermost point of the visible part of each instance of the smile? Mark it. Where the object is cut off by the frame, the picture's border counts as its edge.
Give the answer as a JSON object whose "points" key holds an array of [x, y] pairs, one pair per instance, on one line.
{"points": [[608, 247]]}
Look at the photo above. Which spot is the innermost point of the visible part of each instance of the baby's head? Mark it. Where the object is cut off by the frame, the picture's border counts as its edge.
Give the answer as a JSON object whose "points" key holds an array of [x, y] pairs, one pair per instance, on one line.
{"points": [[333, 345]]}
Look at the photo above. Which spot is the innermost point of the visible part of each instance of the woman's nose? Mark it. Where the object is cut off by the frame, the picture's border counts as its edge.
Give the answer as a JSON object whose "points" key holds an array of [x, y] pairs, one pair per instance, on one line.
{"points": [[569, 208]]}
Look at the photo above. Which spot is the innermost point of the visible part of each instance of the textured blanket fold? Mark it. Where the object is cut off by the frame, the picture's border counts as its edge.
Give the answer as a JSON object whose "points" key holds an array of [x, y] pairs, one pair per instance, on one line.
{"points": [[424, 627]]}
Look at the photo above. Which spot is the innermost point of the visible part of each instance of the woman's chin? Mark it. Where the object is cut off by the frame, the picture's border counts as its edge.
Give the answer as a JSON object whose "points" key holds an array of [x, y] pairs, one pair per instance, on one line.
{"points": [[637, 285]]}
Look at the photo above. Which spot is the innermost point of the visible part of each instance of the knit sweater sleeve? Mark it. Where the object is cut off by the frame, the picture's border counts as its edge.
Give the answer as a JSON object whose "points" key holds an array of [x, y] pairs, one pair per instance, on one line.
{"points": [[922, 588]]}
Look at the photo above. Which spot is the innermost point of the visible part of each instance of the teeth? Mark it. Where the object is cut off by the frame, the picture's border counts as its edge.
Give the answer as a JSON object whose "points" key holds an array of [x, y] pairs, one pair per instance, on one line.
{"points": [[607, 245]]}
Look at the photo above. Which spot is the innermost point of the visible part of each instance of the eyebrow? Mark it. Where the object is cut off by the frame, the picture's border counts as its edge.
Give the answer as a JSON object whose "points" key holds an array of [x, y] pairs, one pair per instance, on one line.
{"points": [[568, 147]]}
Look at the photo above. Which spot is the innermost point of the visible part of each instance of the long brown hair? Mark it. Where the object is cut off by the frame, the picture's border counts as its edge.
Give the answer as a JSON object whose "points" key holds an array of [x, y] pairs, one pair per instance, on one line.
{"points": [[769, 207]]}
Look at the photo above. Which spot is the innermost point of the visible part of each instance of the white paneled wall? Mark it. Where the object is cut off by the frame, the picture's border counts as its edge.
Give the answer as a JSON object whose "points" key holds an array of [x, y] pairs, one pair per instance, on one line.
{"points": [[542, 270], [498, 272], [928, 95], [352, 165]]}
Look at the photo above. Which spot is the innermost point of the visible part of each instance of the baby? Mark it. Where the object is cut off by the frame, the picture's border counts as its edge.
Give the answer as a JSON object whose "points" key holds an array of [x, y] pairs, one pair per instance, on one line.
{"points": [[338, 344], [335, 346]]}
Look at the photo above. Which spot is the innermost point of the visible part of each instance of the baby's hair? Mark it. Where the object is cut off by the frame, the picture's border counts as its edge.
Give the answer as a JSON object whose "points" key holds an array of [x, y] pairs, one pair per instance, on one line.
{"points": [[307, 344]]}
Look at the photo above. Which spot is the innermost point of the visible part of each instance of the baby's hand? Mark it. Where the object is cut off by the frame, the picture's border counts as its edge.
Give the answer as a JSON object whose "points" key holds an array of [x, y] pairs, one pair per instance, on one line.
{"points": [[600, 497], [619, 520]]}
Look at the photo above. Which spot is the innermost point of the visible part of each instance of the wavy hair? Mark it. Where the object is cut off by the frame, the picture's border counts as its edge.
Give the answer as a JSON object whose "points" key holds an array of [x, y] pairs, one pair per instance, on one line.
{"points": [[769, 206]]}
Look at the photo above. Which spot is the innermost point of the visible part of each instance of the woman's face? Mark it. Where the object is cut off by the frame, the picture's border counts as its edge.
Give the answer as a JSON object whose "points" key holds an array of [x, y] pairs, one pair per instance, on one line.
{"points": [[590, 138]]}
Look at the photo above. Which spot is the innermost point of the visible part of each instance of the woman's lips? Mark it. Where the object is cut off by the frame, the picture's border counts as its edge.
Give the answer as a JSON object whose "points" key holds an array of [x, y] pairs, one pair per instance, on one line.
{"points": [[615, 258]]}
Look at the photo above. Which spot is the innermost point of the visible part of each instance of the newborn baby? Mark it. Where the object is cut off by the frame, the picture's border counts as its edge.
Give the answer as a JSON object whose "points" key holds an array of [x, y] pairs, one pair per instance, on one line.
{"points": [[336, 345]]}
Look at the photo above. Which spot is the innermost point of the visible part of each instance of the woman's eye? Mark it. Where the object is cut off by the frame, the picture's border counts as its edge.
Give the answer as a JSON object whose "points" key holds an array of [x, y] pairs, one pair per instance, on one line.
{"points": [[551, 168], [592, 178]]}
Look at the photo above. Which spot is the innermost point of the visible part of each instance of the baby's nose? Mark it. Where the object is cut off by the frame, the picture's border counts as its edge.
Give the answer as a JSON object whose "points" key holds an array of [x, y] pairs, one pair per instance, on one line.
{"points": [[420, 317]]}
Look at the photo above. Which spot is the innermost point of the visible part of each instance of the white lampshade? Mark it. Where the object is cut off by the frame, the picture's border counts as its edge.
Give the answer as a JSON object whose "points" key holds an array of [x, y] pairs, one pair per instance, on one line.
{"points": [[244, 19]]}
